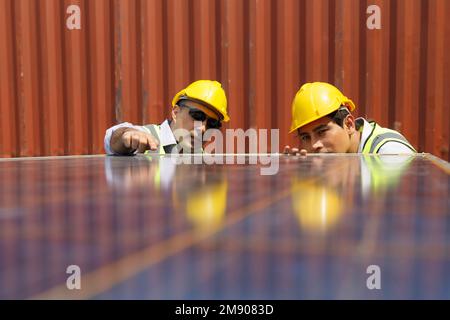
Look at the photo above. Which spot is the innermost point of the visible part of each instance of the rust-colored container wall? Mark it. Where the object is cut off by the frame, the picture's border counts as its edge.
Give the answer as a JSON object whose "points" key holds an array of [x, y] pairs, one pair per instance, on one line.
{"points": [[61, 88]]}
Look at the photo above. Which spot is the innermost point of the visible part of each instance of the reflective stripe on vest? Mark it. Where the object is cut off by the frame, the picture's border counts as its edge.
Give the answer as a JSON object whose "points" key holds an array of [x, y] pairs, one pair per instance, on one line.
{"points": [[380, 136], [154, 130]]}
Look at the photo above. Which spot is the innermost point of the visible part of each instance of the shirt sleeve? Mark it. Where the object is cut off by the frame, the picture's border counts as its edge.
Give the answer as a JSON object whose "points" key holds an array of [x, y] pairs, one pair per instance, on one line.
{"points": [[393, 147], [110, 131]]}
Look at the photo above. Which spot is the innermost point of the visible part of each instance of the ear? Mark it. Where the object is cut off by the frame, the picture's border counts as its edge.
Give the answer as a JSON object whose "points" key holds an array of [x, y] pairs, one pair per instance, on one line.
{"points": [[175, 111], [349, 124]]}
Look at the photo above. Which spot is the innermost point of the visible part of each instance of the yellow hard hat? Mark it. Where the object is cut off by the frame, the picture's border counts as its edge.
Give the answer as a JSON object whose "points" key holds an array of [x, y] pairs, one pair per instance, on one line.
{"points": [[316, 100], [206, 91], [316, 206], [205, 208]]}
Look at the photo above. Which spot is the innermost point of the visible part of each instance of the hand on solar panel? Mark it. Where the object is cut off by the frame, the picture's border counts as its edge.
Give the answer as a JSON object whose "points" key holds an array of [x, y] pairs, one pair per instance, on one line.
{"points": [[294, 151]]}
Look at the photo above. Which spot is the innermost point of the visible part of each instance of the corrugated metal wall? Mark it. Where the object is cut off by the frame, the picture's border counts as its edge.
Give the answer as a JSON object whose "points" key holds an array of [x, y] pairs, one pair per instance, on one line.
{"points": [[60, 89]]}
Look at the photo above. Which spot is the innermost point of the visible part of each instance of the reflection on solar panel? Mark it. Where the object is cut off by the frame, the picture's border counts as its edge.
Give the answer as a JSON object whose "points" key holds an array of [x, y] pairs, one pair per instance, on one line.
{"points": [[146, 228]]}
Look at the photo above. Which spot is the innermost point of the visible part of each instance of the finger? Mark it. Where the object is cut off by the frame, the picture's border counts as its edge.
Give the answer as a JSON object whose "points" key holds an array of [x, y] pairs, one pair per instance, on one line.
{"points": [[152, 143], [294, 150], [135, 141], [126, 138], [303, 152], [143, 144], [286, 149]]}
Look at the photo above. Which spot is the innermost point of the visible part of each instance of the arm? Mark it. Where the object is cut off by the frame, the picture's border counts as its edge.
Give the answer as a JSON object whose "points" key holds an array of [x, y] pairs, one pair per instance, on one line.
{"points": [[126, 139]]}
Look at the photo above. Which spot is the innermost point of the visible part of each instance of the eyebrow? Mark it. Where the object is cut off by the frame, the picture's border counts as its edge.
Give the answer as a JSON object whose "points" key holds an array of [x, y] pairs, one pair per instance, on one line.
{"points": [[320, 127], [301, 134]]}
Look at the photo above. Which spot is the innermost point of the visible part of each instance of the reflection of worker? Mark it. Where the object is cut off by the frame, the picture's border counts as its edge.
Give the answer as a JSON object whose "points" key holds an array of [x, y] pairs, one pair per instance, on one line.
{"points": [[205, 207], [200, 106], [197, 193], [141, 171], [322, 117], [201, 197], [316, 205], [319, 195], [320, 198], [381, 173]]}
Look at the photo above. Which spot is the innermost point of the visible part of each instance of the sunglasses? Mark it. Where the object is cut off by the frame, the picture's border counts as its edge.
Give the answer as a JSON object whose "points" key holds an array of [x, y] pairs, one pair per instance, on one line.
{"points": [[199, 115]]}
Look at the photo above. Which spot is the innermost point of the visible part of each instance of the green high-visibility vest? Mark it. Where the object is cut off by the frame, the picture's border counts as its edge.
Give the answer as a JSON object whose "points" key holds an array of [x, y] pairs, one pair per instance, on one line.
{"points": [[155, 130], [379, 136]]}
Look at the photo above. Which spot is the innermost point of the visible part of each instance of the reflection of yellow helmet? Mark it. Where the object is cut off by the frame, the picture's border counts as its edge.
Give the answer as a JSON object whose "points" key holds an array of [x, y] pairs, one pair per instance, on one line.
{"points": [[316, 100], [316, 206], [205, 207], [206, 91]]}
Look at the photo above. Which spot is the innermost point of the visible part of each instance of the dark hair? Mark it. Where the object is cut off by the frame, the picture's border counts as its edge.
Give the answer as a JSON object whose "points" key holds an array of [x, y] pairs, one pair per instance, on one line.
{"points": [[339, 115]]}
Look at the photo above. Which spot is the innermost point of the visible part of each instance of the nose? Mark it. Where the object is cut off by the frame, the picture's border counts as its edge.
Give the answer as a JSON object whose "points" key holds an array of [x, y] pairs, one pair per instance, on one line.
{"points": [[201, 127], [317, 145]]}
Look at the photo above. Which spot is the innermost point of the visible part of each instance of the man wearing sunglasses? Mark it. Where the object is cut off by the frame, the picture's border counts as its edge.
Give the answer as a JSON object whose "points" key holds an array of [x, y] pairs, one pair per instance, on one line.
{"points": [[200, 106]]}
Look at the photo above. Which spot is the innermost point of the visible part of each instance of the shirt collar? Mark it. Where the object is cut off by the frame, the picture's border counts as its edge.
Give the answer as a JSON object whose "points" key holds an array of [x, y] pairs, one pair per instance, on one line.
{"points": [[366, 129], [166, 137]]}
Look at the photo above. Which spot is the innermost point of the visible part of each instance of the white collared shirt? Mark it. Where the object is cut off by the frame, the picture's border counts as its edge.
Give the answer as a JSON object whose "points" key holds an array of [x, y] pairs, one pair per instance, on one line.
{"points": [[166, 135], [391, 147]]}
